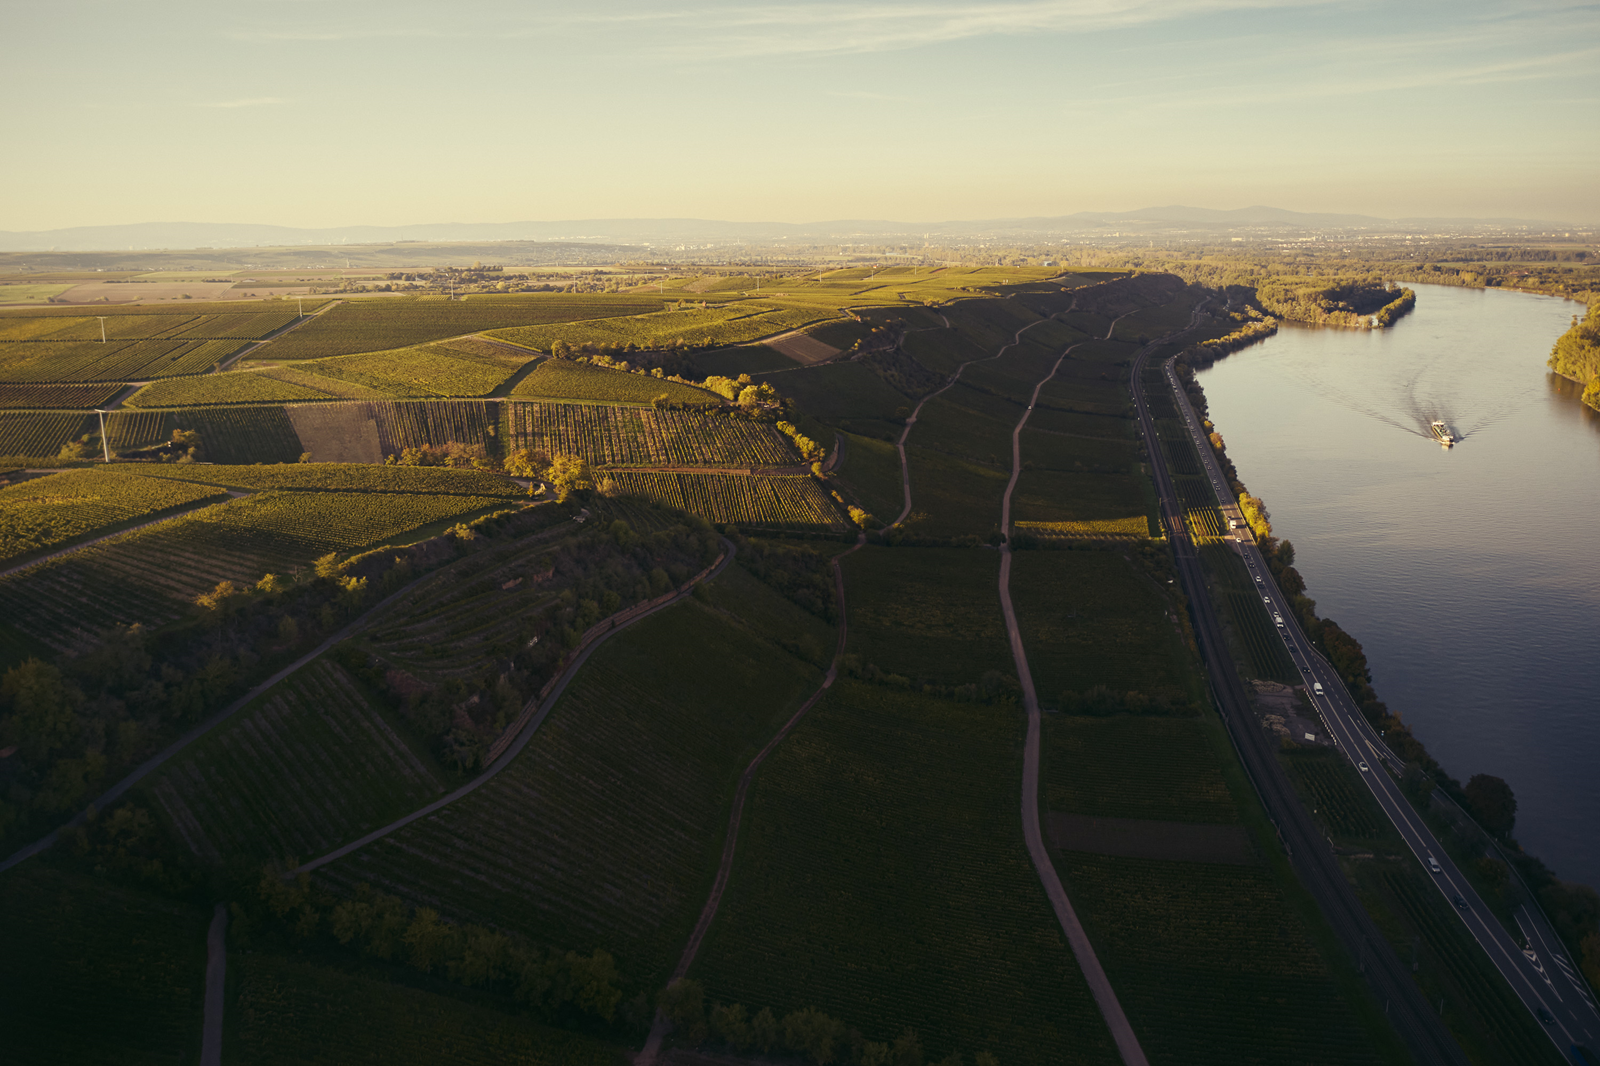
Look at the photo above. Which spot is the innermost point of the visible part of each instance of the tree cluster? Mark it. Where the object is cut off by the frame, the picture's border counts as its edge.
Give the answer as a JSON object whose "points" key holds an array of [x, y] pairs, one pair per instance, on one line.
{"points": [[1576, 354], [808, 1032]]}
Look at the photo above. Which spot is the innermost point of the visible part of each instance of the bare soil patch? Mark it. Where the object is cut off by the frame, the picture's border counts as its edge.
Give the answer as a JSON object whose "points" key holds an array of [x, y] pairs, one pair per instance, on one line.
{"points": [[802, 348], [1138, 838], [336, 433], [93, 292]]}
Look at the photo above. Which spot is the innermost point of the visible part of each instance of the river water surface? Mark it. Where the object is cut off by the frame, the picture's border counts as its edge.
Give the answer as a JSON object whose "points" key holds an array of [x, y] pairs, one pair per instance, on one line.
{"points": [[1470, 575]]}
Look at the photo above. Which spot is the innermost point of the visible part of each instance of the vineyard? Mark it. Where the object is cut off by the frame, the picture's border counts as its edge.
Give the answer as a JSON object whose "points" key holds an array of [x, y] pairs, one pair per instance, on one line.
{"points": [[153, 576], [1264, 653], [564, 379], [1333, 789], [928, 615], [736, 323], [641, 436], [121, 325], [41, 433], [291, 1012], [456, 368], [74, 939], [341, 477], [1164, 769], [881, 877], [383, 325], [227, 434], [232, 388], [603, 831], [114, 361], [1090, 618], [309, 766], [47, 511], [797, 503], [1212, 964], [49, 395]]}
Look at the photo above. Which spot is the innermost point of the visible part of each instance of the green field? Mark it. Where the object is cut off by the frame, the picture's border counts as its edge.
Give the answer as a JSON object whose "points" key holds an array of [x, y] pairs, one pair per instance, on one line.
{"points": [[308, 766], [342, 477], [48, 511], [41, 433], [1090, 618], [722, 324], [881, 877], [561, 379], [260, 434], [25, 293], [123, 323], [1083, 502], [115, 361], [953, 497], [605, 830], [1165, 769], [928, 614], [72, 940], [797, 503], [967, 424], [846, 395], [1240, 599], [288, 1011], [1333, 789], [641, 436]]}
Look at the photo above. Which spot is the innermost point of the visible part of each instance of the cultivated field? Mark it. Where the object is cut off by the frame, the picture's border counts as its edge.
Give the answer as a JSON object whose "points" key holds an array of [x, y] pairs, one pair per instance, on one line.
{"points": [[48, 511], [796, 503], [561, 379], [641, 436]]}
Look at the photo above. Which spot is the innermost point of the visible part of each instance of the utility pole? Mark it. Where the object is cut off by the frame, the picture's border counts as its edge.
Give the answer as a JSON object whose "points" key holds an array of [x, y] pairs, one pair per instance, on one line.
{"points": [[102, 319], [301, 301], [105, 445]]}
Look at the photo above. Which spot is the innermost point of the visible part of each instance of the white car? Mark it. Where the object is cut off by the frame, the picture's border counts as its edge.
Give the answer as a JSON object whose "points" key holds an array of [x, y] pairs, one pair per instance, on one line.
{"points": [[1364, 770], [1433, 865]]}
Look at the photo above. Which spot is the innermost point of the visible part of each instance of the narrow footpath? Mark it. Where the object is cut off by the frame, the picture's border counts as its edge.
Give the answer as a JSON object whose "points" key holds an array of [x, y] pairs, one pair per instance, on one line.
{"points": [[660, 1027], [532, 726], [216, 987], [1105, 996]]}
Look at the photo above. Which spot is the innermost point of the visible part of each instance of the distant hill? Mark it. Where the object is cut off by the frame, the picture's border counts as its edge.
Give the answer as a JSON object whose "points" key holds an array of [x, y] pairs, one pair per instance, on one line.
{"points": [[672, 231]]}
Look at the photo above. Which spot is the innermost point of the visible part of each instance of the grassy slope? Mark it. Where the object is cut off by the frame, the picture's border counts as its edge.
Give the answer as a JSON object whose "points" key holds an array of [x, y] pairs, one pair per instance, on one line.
{"points": [[881, 877], [872, 472], [605, 831], [559, 379], [95, 973]]}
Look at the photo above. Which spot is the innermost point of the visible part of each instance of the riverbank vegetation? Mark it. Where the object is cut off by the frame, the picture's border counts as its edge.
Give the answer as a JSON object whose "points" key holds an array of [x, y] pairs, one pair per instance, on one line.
{"points": [[1577, 354]]}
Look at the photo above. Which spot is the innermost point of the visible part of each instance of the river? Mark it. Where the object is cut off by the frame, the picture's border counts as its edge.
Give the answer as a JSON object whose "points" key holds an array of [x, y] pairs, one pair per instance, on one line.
{"points": [[1468, 574]]}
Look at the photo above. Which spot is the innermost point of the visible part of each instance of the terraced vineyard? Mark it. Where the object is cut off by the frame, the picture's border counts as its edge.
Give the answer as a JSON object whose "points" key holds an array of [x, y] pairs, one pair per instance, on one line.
{"points": [[797, 502], [152, 576], [640, 436], [602, 833], [40, 433], [342, 477], [113, 361], [47, 511], [311, 765], [881, 877], [52, 395], [1211, 963]]}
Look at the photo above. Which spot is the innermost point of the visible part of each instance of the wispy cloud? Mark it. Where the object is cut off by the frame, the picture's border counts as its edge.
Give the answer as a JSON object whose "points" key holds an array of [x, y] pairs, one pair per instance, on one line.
{"points": [[252, 101]]}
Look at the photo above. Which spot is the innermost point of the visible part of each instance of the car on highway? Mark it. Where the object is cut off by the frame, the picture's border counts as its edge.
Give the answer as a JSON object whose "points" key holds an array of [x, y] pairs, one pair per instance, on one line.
{"points": [[1433, 863], [1267, 600], [1460, 901], [1545, 1016], [1316, 686], [1364, 769], [1258, 579], [1278, 618]]}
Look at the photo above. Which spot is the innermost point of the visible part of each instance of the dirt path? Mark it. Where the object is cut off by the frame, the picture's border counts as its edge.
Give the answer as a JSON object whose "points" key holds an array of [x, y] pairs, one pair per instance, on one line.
{"points": [[659, 1029], [516, 746], [216, 987], [900, 445], [1105, 996], [186, 512], [154, 763], [274, 335]]}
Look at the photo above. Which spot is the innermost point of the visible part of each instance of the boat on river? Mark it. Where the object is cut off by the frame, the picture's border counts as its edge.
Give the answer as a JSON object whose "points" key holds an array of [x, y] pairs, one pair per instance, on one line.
{"points": [[1442, 434]]}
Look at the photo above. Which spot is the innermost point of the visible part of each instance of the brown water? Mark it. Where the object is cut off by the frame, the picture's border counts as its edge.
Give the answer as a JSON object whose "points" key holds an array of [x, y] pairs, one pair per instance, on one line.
{"points": [[1468, 574]]}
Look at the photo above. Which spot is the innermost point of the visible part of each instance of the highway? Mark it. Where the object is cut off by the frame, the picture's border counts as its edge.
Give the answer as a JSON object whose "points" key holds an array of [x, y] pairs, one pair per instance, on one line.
{"points": [[1423, 1032], [1554, 989]]}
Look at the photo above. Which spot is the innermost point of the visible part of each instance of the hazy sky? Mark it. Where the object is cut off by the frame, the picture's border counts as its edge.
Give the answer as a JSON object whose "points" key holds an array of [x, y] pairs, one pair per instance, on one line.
{"points": [[335, 112]]}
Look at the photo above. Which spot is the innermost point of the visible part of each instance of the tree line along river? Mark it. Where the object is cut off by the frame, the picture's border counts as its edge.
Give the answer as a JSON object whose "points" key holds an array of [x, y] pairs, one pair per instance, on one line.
{"points": [[1467, 573]]}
